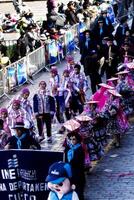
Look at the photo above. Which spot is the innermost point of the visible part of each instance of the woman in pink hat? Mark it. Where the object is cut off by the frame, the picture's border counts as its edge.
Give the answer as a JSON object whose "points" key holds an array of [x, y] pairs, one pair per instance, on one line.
{"points": [[4, 117], [70, 63], [125, 90], [97, 141], [26, 105], [16, 114], [112, 81], [115, 126], [102, 95]]}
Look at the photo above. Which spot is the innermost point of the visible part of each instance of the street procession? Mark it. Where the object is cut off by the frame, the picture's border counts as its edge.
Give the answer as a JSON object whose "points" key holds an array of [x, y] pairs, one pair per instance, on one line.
{"points": [[66, 100]]}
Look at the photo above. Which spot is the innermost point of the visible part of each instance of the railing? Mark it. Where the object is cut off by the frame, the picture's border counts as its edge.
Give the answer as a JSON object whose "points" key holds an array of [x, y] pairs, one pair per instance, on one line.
{"points": [[51, 53]]}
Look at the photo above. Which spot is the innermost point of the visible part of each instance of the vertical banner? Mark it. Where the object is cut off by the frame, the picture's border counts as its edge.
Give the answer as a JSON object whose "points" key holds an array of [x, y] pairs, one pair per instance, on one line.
{"points": [[53, 52], [69, 38], [1, 83], [21, 72], [61, 48], [23, 173], [11, 75]]}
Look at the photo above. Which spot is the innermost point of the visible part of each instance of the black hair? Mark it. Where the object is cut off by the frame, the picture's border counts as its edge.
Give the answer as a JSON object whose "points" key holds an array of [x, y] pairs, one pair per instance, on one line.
{"points": [[1, 123], [77, 66], [77, 136]]}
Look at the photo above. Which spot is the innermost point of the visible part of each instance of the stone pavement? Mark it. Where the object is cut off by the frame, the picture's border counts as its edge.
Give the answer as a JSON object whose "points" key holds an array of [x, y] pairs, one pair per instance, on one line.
{"points": [[57, 138], [113, 177]]}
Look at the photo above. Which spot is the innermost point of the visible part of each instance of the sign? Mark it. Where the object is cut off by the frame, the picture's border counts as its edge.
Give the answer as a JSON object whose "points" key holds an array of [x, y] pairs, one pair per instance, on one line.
{"points": [[23, 173], [11, 74], [61, 48], [21, 72], [1, 83], [53, 52]]}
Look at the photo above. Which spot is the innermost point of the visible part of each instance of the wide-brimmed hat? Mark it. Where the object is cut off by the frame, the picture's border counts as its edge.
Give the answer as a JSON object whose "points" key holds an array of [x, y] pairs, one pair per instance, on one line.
{"points": [[106, 86], [92, 102], [83, 118], [123, 72], [113, 79], [71, 125], [18, 125], [114, 93]]}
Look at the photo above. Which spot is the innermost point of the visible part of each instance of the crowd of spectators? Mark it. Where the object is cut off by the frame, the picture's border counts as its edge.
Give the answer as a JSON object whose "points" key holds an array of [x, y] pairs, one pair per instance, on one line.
{"points": [[59, 18]]}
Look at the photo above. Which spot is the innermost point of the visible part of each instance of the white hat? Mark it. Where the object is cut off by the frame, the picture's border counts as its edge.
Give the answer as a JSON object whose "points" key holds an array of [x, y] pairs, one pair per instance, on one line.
{"points": [[83, 118], [71, 125], [106, 86], [115, 93]]}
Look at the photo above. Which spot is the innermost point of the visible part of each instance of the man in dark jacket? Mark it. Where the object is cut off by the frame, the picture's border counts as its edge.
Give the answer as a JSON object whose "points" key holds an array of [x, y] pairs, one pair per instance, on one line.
{"points": [[44, 109], [70, 13], [87, 44], [111, 55], [92, 69], [121, 31]]}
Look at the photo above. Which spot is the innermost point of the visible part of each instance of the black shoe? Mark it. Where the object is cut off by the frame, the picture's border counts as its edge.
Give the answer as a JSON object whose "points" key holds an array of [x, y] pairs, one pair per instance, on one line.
{"points": [[49, 140]]}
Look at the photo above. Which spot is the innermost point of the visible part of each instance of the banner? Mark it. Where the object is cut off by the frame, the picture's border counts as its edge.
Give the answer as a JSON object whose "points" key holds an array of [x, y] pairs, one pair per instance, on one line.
{"points": [[1, 83], [11, 74], [23, 173], [61, 48], [21, 72], [53, 52], [70, 43]]}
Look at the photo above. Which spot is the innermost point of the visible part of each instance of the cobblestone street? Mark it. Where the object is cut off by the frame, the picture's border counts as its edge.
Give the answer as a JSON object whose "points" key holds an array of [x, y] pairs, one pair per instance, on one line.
{"points": [[113, 177]]}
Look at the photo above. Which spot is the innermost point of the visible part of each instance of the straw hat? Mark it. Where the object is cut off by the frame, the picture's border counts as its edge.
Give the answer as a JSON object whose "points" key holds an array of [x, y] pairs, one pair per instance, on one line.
{"points": [[71, 125], [114, 93], [106, 86], [113, 79], [82, 118]]}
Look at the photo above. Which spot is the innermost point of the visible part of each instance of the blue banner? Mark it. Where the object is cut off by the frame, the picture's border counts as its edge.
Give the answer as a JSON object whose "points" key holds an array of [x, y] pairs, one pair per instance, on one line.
{"points": [[53, 52], [21, 73], [70, 44], [11, 74], [23, 173]]}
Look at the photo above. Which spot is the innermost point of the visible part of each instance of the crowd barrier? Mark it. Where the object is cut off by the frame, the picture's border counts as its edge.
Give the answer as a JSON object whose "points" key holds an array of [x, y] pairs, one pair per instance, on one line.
{"points": [[52, 52]]}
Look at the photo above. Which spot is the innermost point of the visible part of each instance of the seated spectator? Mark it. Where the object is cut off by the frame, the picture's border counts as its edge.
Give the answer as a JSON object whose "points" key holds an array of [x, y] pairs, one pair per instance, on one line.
{"points": [[71, 17]]}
